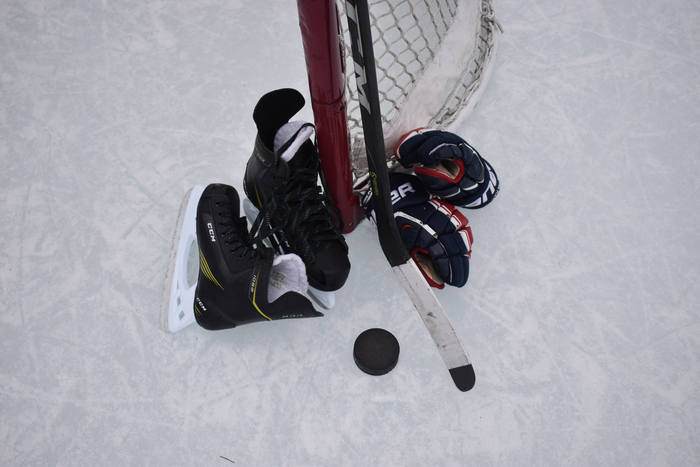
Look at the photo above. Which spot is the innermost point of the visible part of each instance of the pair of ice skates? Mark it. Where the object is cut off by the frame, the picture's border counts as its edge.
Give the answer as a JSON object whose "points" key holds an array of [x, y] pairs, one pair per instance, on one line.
{"points": [[293, 247]]}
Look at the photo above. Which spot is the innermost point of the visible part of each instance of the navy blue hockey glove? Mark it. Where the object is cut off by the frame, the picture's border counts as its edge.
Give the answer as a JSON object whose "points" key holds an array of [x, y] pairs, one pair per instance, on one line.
{"points": [[448, 167], [435, 233]]}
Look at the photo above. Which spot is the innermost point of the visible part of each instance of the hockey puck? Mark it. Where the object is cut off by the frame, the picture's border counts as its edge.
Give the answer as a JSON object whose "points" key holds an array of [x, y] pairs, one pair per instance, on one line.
{"points": [[376, 351]]}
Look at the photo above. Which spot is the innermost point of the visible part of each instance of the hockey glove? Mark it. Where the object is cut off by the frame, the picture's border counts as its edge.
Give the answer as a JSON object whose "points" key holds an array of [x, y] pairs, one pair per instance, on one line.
{"points": [[435, 233], [448, 167]]}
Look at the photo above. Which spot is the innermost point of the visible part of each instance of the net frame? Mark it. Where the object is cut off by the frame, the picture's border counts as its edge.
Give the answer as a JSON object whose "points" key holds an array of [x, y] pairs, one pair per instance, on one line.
{"points": [[433, 59]]}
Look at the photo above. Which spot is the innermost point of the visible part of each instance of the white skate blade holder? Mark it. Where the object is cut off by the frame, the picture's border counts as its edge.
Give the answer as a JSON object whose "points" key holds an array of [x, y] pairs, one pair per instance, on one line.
{"points": [[324, 299], [177, 310]]}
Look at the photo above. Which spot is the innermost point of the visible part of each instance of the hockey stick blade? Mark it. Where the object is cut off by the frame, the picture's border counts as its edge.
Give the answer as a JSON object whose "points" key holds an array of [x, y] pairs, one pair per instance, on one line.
{"points": [[449, 345], [435, 319]]}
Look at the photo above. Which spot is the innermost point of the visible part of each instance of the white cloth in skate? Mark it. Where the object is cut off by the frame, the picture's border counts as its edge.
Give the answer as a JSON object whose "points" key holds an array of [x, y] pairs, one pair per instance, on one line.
{"points": [[288, 274], [286, 132]]}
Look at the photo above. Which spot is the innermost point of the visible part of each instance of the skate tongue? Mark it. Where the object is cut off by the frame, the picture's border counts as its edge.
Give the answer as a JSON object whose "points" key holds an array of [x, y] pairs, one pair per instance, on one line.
{"points": [[287, 134]]}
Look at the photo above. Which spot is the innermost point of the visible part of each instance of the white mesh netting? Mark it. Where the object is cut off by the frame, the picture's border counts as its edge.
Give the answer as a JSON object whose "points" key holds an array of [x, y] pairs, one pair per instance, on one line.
{"points": [[432, 59]]}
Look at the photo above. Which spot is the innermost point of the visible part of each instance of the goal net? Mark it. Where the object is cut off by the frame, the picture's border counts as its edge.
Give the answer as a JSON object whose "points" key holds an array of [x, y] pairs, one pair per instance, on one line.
{"points": [[433, 61]]}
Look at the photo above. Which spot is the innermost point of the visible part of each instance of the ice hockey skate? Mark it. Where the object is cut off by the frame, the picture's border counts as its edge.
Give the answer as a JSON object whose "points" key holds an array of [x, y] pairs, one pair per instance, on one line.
{"points": [[284, 197], [240, 281]]}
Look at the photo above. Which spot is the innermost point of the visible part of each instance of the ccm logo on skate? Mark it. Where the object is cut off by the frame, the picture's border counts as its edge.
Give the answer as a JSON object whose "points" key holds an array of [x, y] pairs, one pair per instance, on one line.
{"points": [[201, 305], [401, 191], [211, 231]]}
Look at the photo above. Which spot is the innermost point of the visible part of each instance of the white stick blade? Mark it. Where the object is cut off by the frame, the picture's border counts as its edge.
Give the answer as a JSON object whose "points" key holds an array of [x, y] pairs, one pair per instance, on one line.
{"points": [[430, 310]]}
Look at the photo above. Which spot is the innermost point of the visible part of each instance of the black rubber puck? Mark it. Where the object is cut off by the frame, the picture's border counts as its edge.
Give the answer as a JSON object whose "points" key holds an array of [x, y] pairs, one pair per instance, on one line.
{"points": [[376, 351]]}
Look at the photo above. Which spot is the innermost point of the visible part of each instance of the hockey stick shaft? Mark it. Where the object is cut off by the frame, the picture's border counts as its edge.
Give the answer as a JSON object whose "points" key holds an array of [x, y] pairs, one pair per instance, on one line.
{"points": [[366, 75], [451, 349]]}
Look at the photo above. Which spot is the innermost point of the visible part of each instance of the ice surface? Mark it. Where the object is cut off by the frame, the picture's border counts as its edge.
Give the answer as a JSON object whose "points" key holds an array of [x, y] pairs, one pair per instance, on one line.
{"points": [[581, 314]]}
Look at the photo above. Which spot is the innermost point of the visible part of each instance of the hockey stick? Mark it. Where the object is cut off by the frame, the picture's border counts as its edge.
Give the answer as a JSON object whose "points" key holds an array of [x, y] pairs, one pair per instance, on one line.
{"points": [[451, 349]]}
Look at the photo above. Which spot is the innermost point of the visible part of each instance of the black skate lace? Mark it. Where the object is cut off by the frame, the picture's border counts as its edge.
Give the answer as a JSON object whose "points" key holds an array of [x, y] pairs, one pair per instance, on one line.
{"points": [[308, 215], [238, 235], [297, 204]]}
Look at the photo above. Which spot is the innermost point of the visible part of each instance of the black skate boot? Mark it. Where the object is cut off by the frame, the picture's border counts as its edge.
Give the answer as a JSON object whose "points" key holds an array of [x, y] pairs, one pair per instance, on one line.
{"points": [[240, 282], [281, 181]]}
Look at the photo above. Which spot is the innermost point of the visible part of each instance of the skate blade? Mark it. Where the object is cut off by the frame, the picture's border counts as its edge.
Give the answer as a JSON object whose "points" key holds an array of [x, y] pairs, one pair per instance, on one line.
{"points": [[324, 299], [177, 309]]}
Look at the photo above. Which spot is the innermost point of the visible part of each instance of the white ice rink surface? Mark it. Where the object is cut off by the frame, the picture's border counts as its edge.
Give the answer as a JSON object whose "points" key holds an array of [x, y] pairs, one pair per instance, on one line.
{"points": [[582, 310]]}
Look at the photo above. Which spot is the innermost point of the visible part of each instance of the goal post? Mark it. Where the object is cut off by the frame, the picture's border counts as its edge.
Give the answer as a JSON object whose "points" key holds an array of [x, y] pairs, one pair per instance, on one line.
{"points": [[323, 51], [433, 60]]}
